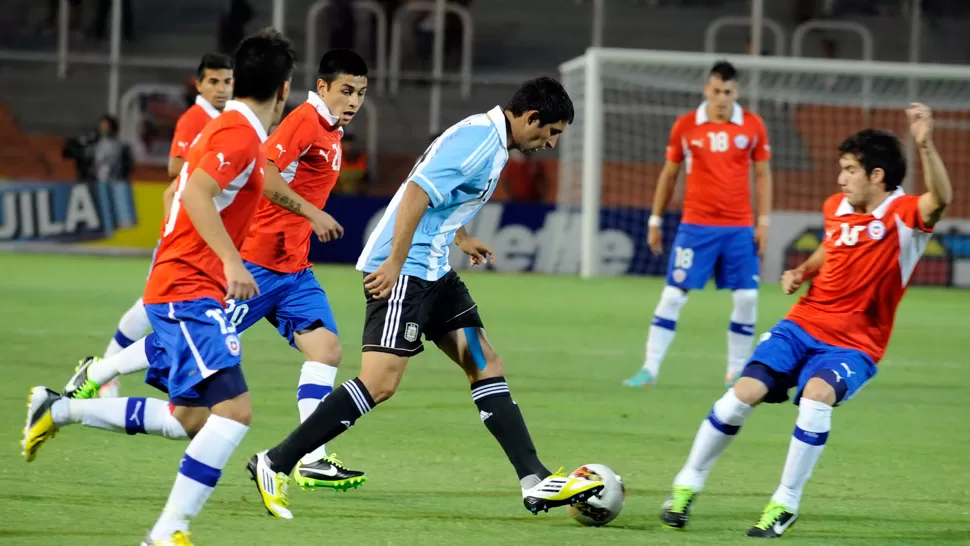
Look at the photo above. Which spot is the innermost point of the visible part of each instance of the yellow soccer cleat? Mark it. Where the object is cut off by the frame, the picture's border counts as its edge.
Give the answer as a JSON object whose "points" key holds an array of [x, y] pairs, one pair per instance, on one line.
{"points": [[40, 425], [272, 486], [559, 489], [178, 538]]}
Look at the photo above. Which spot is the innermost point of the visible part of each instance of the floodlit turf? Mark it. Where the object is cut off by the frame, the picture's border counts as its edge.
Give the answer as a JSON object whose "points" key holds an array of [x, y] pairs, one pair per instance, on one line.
{"points": [[896, 469]]}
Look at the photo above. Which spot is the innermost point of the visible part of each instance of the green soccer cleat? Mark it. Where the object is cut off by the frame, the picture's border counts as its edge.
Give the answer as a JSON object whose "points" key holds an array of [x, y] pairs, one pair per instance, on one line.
{"points": [[80, 387], [775, 520], [676, 509], [642, 378], [328, 473]]}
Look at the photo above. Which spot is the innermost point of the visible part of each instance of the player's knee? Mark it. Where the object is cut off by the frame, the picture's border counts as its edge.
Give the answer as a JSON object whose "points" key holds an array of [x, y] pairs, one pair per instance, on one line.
{"points": [[238, 409], [381, 374], [672, 300], [191, 420], [494, 367], [749, 390], [319, 345], [746, 303], [820, 389]]}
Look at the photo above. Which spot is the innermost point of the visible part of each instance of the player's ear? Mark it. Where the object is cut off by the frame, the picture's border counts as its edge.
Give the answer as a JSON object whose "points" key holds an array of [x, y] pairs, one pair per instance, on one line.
{"points": [[284, 92], [532, 117], [877, 176]]}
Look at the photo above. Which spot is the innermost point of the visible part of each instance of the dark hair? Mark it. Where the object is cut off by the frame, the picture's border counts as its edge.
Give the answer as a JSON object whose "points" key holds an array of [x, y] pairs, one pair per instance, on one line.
{"points": [[547, 97], [336, 62], [213, 61], [724, 70], [112, 123], [263, 63], [876, 149]]}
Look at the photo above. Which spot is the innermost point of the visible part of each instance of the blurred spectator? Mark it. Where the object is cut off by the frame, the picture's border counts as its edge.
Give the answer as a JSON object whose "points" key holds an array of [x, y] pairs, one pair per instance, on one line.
{"points": [[524, 178], [232, 25], [100, 155], [102, 19], [354, 177]]}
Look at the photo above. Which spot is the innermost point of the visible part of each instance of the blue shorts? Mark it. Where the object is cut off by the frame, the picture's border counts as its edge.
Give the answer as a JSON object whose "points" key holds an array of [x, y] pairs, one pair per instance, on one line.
{"points": [[289, 301], [192, 341], [728, 253], [787, 356]]}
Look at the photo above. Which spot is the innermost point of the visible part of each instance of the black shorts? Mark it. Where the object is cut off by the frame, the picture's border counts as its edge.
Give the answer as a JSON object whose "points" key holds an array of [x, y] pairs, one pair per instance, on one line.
{"points": [[415, 307]]}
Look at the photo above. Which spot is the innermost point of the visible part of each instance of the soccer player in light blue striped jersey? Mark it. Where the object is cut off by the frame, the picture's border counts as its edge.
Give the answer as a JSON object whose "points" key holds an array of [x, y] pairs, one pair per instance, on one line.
{"points": [[411, 290]]}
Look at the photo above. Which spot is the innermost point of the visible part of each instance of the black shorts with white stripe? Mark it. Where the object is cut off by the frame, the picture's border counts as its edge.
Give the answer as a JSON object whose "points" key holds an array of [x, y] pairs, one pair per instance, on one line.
{"points": [[415, 307]]}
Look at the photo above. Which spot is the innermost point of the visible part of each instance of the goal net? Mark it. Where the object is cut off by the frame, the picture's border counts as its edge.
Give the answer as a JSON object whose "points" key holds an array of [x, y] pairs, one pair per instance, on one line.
{"points": [[627, 100]]}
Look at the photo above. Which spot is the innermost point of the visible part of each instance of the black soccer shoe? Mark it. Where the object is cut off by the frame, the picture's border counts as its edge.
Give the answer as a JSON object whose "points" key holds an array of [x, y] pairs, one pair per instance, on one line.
{"points": [[775, 520], [328, 473]]}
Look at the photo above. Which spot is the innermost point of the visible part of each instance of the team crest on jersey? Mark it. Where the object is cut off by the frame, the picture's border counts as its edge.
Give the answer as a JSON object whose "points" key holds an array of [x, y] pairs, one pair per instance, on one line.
{"points": [[679, 275], [232, 343], [876, 230], [411, 331], [741, 142]]}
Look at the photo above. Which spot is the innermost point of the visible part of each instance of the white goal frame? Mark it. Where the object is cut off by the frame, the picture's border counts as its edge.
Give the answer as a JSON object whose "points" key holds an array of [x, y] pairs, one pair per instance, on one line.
{"points": [[591, 108]]}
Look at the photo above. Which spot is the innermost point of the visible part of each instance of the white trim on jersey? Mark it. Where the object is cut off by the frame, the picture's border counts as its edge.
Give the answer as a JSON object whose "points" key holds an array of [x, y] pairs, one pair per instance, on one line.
{"points": [[228, 195], [737, 115], [379, 229], [846, 208], [250, 116], [912, 244], [207, 106], [289, 173]]}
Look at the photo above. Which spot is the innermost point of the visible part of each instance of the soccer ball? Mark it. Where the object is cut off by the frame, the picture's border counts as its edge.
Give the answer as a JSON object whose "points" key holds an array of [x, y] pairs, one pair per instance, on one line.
{"points": [[604, 507]]}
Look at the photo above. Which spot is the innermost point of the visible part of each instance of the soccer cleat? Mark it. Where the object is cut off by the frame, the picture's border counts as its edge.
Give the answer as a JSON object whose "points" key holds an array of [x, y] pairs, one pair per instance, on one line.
{"points": [[178, 538], [559, 489], [40, 425], [676, 509], [272, 486], [80, 387], [775, 520], [328, 472], [111, 389], [643, 378]]}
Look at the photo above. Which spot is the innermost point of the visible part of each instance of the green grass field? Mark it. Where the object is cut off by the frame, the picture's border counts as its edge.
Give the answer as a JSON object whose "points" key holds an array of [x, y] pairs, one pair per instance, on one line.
{"points": [[896, 470]]}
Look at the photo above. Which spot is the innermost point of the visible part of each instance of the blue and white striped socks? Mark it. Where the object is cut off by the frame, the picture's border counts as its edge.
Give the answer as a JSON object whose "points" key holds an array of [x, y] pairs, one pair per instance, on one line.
{"points": [[714, 435], [316, 383], [808, 440]]}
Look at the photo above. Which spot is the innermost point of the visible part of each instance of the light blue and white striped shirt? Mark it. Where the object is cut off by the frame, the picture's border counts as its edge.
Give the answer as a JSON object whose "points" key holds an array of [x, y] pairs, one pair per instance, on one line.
{"points": [[458, 172]]}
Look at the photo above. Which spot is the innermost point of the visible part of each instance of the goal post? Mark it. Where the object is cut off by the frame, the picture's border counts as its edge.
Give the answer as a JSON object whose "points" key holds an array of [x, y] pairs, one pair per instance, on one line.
{"points": [[627, 100]]}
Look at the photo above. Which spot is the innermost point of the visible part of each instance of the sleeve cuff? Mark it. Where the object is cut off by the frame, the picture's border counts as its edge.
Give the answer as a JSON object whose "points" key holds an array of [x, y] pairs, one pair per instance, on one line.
{"points": [[433, 194]]}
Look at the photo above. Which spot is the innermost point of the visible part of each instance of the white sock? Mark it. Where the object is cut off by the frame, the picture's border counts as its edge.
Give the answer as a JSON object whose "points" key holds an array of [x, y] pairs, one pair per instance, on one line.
{"points": [[130, 360], [198, 474], [741, 330], [133, 326], [811, 432], [316, 382], [662, 328], [131, 415], [714, 435]]}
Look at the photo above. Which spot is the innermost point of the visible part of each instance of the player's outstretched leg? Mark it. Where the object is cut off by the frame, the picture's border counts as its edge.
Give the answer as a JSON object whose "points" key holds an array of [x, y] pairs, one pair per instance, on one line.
{"points": [[808, 440], [132, 327], [715, 433], [661, 335], [541, 489], [317, 469], [380, 374], [740, 333], [92, 372]]}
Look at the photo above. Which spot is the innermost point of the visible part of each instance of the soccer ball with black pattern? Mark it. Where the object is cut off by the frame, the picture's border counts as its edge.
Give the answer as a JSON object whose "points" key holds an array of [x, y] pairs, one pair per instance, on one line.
{"points": [[605, 506]]}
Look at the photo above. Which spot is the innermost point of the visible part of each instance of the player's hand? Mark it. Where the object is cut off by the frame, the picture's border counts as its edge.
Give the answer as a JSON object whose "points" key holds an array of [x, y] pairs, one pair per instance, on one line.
{"points": [[326, 227], [920, 123], [791, 281], [655, 240], [480, 253], [761, 238], [380, 282], [240, 282]]}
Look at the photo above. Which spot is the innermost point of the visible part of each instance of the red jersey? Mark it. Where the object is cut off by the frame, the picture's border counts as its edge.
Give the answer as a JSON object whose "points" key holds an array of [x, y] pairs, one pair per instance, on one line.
{"points": [[869, 259], [230, 151], [719, 157], [190, 124], [306, 149]]}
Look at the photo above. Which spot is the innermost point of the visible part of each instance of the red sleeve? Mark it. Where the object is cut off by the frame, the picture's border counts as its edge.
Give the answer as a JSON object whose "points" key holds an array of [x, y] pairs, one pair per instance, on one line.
{"points": [[907, 208], [675, 146], [229, 153], [762, 149], [186, 130], [293, 135]]}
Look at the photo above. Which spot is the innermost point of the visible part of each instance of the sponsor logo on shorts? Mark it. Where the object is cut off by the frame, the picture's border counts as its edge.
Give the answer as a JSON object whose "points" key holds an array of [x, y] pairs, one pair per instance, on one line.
{"points": [[232, 343], [876, 230], [411, 331]]}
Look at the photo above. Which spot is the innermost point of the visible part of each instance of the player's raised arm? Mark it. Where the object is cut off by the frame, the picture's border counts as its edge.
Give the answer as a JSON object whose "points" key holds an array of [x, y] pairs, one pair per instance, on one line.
{"points": [[939, 194], [666, 183]]}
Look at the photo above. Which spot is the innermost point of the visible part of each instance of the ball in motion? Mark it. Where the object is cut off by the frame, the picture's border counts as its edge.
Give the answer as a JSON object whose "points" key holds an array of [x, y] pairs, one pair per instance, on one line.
{"points": [[604, 507]]}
